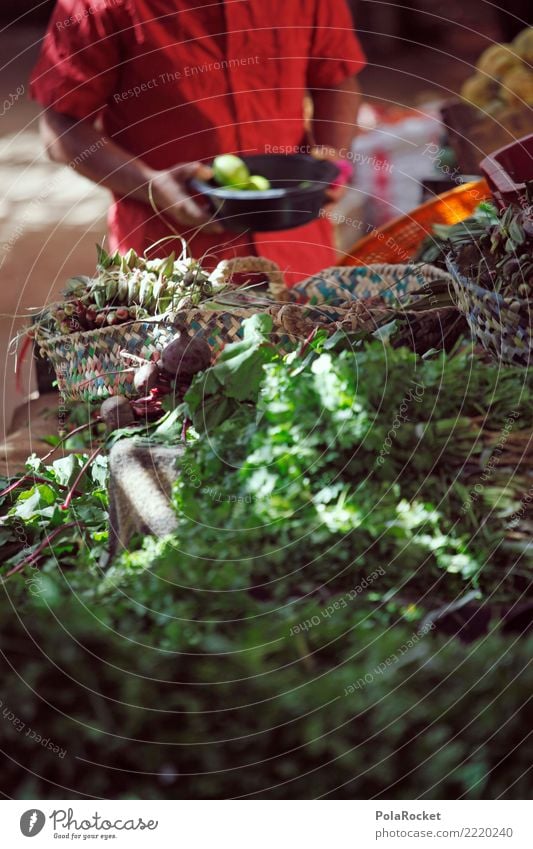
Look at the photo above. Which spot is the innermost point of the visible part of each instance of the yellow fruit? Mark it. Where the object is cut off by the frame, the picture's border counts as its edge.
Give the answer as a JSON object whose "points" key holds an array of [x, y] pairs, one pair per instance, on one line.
{"points": [[517, 87], [498, 59], [494, 107], [523, 44], [479, 90]]}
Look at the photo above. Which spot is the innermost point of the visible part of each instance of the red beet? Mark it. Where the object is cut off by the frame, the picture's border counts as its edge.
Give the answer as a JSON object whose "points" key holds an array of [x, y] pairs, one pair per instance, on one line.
{"points": [[185, 356], [116, 412]]}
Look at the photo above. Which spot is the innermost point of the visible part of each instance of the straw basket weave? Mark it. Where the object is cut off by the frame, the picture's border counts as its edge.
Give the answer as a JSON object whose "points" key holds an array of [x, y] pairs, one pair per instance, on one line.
{"points": [[502, 326], [93, 364], [339, 284]]}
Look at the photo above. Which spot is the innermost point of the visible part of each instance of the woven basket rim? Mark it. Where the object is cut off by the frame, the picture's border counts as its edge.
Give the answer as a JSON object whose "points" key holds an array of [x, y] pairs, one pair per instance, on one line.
{"points": [[479, 290], [81, 335], [45, 338]]}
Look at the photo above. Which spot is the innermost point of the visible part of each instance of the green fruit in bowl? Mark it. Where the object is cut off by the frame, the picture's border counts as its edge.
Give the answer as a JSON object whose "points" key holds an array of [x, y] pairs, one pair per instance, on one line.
{"points": [[257, 183], [230, 171]]}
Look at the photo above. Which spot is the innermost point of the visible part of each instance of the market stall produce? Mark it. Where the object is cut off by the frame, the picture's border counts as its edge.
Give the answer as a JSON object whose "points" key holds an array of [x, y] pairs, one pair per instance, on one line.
{"points": [[490, 257], [496, 103], [303, 499], [288, 190], [378, 518]]}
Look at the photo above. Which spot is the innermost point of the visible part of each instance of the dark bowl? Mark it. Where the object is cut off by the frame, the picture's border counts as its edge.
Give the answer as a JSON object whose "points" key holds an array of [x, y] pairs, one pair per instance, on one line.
{"points": [[287, 204]]}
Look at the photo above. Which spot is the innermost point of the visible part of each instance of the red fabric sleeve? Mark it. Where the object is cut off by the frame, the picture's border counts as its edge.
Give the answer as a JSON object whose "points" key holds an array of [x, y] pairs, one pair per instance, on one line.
{"points": [[336, 53], [79, 63]]}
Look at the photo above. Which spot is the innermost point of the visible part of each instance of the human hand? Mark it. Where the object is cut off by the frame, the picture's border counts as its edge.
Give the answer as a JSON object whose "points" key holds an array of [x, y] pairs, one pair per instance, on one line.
{"points": [[336, 190], [169, 192]]}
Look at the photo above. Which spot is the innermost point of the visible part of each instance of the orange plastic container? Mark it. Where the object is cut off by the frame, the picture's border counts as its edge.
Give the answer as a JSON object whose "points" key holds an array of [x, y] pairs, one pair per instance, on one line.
{"points": [[398, 241]]}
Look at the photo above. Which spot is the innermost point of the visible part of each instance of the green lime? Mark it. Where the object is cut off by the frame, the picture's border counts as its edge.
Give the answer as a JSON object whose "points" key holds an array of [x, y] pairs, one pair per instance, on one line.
{"points": [[257, 183], [229, 170]]}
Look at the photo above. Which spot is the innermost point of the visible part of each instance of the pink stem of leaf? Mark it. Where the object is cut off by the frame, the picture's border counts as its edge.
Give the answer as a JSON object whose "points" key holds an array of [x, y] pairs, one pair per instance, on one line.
{"points": [[308, 341], [38, 551], [92, 456], [34, 479], [29, 475], [28, 341]]}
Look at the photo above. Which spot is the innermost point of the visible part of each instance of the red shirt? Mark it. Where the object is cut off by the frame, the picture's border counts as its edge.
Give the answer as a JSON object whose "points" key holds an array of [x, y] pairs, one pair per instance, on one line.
{"points": [[179, 81]]}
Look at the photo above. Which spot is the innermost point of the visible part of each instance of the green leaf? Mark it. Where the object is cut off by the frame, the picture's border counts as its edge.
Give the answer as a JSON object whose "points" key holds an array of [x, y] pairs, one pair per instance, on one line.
{"points": [[66, 469], [99, 471], [386, 331], [103, 259], [516, 232], [35, 502]]}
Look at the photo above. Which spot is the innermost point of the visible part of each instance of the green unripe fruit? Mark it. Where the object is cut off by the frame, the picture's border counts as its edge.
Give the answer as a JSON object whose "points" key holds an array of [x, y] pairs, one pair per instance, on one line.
{"points": [[229, 170], [257, 183]]}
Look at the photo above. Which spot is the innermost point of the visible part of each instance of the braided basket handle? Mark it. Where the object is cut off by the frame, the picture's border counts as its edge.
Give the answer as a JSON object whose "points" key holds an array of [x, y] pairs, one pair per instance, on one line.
{"points": [[412, 269], [243, 264]]}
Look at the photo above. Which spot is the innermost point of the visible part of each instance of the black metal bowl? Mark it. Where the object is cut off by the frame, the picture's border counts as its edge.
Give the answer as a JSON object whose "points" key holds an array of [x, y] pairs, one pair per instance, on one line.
{"points": [[298, 193]]}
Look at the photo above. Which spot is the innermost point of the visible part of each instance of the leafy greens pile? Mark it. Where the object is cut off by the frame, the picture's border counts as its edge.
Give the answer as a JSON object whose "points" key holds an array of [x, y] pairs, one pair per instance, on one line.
{"points": [[291, 627]]}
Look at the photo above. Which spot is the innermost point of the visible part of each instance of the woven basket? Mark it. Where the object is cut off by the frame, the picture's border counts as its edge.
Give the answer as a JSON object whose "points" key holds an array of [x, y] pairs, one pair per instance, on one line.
{"points": [[502, 326], [339, 284], [399, 240], [91, 365]]}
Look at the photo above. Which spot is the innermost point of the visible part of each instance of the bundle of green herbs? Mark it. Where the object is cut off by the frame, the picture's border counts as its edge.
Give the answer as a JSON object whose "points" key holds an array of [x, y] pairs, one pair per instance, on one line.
{"points": [[494, 250], [435, 246], [129, 287], [331, 504], [366, 444]]}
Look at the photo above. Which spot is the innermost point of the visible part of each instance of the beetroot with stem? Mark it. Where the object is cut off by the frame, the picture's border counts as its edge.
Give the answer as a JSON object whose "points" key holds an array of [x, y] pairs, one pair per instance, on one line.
{"points": [[184, 356], [116, 412]]}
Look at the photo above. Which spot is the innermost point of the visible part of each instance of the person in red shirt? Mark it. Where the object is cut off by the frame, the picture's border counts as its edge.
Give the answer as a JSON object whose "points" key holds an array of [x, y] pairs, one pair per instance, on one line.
{"points": [[139, 95]]}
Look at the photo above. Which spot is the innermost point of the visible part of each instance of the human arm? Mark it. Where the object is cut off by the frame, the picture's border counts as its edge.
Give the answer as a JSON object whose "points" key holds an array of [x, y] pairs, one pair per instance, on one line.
{"points": [[335, 116], [79, 144], [335, 60]]}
